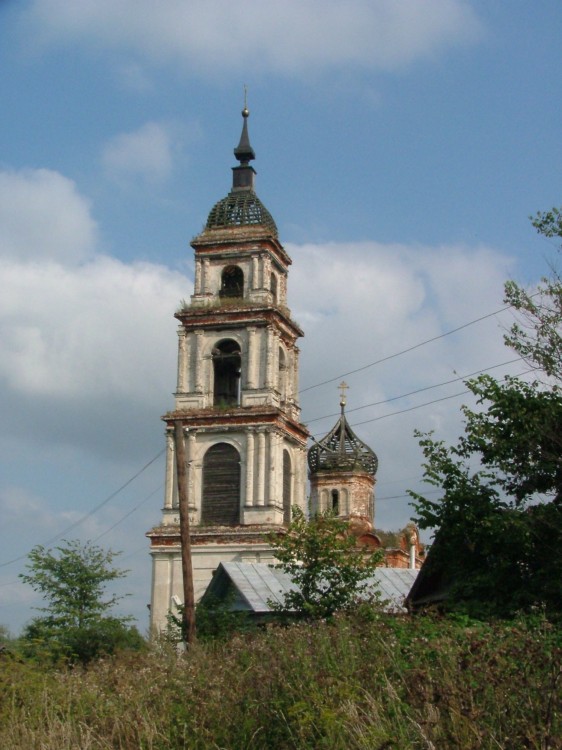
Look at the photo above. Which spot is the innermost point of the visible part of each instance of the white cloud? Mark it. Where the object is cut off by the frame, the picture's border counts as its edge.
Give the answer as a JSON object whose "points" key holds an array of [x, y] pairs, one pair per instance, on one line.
{"points": [[43, 217], [146, 153], [363, 302], [84, 338], [71, 331], [290, 36]]}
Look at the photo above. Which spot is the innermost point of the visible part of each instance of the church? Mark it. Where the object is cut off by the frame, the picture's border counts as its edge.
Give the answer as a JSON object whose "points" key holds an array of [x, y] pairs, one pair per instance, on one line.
{"points": [[237, 400]]}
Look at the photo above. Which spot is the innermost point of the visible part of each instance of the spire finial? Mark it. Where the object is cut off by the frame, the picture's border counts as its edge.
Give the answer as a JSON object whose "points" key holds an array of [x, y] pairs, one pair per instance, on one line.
{"points": [[343, 386], [243, 175], [244, 152]]}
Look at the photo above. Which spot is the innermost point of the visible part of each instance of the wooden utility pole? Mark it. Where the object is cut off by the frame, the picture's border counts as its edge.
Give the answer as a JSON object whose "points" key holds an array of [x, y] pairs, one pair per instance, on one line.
{"points": [[188, 613]]}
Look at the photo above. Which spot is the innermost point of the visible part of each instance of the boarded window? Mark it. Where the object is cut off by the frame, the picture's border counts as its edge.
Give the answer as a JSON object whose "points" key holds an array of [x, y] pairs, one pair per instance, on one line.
{"points": [[287, 498], [273, 286], [221, 486]]}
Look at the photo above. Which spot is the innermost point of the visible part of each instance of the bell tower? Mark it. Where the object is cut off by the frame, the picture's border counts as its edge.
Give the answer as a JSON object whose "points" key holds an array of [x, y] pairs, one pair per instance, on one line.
{"points": [[236, 397]]}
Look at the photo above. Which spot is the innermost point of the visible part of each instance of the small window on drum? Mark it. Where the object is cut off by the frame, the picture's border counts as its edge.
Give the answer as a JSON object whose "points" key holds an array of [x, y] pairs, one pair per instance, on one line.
{"points": [[335, 502], [273, 288]]}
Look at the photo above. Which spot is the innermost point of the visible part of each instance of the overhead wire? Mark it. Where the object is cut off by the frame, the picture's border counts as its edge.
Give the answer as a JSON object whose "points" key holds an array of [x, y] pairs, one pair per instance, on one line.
{"points": [[426, 403], [408, 349], [418, 390], [130, 513], [90, 512]]}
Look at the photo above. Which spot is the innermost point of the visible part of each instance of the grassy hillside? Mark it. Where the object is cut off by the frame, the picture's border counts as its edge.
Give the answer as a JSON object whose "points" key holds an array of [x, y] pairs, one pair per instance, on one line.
{"points": [[365, 682]]}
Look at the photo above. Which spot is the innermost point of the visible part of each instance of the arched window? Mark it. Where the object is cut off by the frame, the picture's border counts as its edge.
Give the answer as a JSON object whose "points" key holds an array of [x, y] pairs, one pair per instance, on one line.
{"points": [[335, 502], [221, 486], [226, 369], [287, 495], [232, 282], [273, 287]]}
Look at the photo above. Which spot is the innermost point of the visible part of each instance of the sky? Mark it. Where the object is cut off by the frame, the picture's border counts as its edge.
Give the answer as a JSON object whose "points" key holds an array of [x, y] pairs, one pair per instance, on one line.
{"points": [[401, 147]]}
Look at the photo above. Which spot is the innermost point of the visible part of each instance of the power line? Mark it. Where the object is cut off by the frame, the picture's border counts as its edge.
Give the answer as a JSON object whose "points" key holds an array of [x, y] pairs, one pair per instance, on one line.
{"points": [[409, 349], [419, 406], [411, 408], [401, 497], [91, 512], [418, 390], [130, 513]]}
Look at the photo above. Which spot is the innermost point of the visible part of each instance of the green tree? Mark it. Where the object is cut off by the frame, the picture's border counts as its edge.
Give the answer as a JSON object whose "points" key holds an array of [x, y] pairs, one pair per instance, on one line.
{"points": [[537, 337], [323, 560], [499, 521], [76, 623]]}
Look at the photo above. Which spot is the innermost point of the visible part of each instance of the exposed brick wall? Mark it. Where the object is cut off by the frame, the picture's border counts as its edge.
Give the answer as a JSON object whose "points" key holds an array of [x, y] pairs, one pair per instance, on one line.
{"points": [[356, 491]]}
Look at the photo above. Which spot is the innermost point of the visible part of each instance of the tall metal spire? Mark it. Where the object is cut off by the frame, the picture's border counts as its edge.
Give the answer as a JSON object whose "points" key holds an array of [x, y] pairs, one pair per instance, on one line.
{"points": [[244, 152], [243, 176]]}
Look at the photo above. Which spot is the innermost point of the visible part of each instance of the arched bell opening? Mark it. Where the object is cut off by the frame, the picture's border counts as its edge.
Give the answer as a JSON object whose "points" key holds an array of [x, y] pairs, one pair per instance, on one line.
{"points": [[232, 282], [220, 503], [227, 362]]}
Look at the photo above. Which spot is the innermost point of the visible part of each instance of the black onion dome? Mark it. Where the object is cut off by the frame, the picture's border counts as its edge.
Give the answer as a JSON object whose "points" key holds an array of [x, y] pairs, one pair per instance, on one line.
{"points": [[240, 208], [341, 450]]}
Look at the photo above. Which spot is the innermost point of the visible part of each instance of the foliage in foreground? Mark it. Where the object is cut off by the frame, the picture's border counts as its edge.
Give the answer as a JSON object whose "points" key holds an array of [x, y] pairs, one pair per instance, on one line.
{"points": [[355, 683], [499, 540], [76, 624], [322, 558]]}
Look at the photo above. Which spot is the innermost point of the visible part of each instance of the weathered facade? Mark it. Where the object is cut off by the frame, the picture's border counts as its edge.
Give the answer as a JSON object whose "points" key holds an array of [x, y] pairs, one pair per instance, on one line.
{"points": [[236, 398], [237, 401]]}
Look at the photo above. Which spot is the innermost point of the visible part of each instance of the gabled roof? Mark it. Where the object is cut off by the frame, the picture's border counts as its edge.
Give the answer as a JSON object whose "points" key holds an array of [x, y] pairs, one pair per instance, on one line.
{"points": [[253, 585]]}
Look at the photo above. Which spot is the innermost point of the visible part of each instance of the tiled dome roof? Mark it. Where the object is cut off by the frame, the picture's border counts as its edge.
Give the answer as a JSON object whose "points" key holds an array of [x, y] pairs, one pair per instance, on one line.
{"points": [[240, 208], [341, 450]]}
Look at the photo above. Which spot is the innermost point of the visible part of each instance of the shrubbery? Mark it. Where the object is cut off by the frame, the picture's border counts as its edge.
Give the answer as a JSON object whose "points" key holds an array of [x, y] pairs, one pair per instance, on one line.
{"points": [[355, 682]]}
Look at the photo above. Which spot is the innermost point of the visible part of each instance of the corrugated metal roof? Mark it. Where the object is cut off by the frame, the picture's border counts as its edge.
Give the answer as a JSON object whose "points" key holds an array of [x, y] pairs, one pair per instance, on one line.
{"points": [[258, 583]]}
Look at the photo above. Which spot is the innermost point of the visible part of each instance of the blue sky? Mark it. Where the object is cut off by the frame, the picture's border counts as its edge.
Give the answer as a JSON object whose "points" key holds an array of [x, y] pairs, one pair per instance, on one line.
{"points": [[401, 147]]}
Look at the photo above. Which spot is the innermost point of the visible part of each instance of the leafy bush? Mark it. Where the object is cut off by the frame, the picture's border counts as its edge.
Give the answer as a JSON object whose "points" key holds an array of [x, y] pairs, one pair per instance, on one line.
{"points": [[353, 683]]}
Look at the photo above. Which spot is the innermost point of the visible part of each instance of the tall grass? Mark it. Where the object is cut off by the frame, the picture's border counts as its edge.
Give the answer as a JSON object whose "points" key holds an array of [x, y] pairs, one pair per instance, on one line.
{"points": [[362, 682]]}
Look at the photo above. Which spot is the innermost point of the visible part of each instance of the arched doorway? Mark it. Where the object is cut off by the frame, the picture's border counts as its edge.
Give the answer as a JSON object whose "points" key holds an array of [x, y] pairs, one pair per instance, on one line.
{"points": [[221, 486]]}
